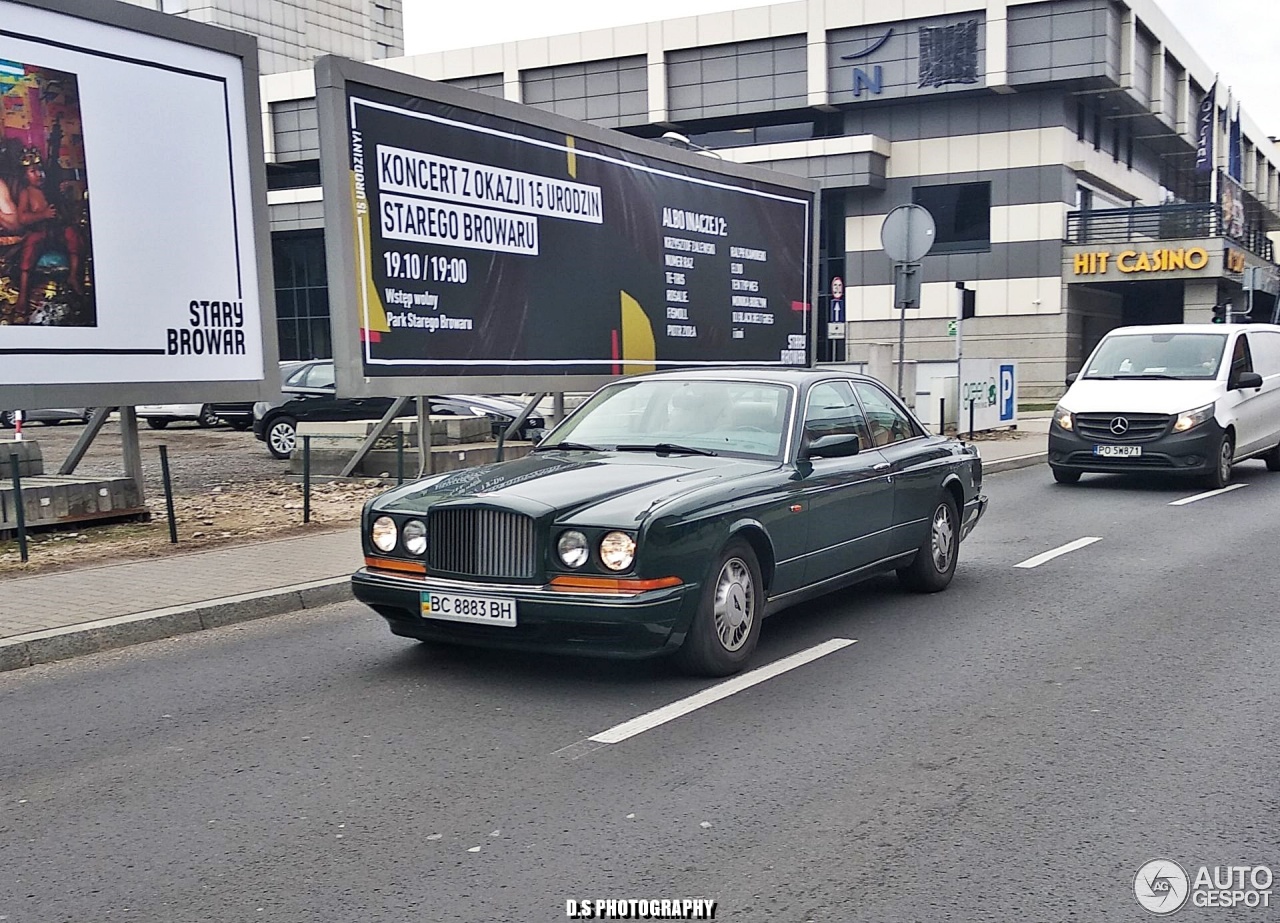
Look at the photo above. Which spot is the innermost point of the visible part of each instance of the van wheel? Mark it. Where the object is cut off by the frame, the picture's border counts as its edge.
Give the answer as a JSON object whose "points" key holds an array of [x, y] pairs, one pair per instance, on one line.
{"points": [[1063, 476], [1272, 459], [1220, 476]]}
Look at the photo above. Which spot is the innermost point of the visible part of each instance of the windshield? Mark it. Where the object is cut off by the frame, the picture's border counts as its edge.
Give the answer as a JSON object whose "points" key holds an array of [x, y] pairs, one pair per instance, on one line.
{"points": [[1158, 355], [725, 417]]}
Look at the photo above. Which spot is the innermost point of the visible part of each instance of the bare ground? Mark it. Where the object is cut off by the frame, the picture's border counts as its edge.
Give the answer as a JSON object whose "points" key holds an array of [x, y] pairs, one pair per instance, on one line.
{"points": [[227, 490]]}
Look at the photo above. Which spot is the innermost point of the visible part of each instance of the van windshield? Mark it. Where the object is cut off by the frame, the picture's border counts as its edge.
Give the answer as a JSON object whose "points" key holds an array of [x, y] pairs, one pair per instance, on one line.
{"points": [[1158, 355]]}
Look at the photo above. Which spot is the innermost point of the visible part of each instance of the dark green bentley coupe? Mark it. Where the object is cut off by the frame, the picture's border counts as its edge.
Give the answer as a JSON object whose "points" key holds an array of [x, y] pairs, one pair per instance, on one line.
{"points": [[670, 513]]}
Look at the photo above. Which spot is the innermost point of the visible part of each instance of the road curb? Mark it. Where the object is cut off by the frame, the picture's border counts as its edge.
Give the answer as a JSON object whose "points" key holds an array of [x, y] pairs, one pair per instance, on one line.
{"points": [[122, 631], [1013, 464]]}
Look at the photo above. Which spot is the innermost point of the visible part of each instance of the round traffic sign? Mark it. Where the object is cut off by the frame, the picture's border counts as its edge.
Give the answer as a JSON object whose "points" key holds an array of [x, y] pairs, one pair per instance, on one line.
{"points": [[907, 233], [837, 288]]}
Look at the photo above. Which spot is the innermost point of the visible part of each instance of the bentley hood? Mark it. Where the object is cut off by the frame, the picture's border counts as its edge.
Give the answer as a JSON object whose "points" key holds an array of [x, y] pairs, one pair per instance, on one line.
{"points": [[604, 488]]}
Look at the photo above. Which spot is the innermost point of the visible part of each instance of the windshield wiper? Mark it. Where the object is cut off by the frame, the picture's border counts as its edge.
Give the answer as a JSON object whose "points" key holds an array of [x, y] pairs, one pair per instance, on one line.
{"points": [[1153, 375], [568, 447], [665, 447]]}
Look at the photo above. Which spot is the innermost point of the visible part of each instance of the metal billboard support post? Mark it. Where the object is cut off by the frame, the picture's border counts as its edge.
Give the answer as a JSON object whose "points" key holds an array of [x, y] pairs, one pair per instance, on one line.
{"points": [[396, 408], [18, 507], [90, 433], [519, 421], [132, 449], [424, 437]]}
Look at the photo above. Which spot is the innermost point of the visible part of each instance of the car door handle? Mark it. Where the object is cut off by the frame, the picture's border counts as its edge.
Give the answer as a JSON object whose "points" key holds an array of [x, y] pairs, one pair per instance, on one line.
{"points": [[883, 466]]}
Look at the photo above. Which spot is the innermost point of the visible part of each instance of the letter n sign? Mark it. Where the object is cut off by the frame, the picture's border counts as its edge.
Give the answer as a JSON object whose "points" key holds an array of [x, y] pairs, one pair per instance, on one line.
{"points": [[872, 84]]}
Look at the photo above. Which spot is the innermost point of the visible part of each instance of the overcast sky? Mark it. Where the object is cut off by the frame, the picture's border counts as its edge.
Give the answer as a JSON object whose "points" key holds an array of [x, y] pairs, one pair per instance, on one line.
{"points": [[1239, 38]]}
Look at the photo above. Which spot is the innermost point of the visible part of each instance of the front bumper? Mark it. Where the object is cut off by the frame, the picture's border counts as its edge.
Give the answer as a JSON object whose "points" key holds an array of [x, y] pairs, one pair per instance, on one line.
{"points": [[1192, 452], [553, 621]]}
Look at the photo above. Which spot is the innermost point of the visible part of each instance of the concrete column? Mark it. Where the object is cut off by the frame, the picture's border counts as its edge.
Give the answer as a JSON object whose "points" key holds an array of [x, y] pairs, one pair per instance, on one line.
{"points": [[1199, 297]]}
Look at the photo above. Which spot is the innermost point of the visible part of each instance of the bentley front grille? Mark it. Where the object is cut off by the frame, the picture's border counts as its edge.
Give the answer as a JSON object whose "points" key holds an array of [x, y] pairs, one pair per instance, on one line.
{"points": [[481, 543]]}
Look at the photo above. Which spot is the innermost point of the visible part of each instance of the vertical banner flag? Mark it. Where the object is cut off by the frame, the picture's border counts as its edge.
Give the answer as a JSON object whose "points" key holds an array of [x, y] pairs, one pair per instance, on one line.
{"points": [[1206, 131], [1235, 155]]}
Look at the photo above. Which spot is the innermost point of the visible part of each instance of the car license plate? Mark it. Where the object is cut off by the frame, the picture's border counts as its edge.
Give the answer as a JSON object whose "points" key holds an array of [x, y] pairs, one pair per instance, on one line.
{"points": [[477, 610], [1117, 451]]}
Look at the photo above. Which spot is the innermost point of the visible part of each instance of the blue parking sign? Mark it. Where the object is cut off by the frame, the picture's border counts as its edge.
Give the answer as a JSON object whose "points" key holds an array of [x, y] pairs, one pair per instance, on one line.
{"points": [[1007, 396]]}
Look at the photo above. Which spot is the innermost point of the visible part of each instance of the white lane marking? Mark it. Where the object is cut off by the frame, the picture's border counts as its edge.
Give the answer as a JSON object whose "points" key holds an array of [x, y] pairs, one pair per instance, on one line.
{"points": [[1058, 552], [651, 720], [1205, 496]]}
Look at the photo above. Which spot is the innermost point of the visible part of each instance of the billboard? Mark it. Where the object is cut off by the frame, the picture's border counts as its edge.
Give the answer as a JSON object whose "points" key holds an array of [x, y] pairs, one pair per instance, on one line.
{"points": [[482, 245], [132, 209]]}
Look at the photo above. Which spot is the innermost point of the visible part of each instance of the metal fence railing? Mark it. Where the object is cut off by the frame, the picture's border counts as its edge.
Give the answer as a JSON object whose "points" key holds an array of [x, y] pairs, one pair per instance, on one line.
{"points": [[1161, 222]]}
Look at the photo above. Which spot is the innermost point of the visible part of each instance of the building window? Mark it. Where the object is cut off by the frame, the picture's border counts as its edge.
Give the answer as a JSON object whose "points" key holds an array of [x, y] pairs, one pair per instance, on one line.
{"points": [[962, 213], [302, 295]]}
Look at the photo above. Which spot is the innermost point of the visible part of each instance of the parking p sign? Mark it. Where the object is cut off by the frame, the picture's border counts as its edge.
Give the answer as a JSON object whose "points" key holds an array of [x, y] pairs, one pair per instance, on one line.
{"points": [[1008, 394]]}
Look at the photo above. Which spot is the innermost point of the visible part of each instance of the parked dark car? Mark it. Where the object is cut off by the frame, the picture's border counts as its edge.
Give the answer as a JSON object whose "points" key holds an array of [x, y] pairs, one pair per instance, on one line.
{"points": [[671, 513], [51, 416], [239, 414], [310, 397]]}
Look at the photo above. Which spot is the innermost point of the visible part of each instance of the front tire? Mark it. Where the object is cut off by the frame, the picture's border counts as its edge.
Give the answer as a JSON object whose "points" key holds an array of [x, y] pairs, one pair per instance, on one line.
{"points": [[935, 562], [1063, 476], [725, 630], [1272, 459], [1220, 476], [157, 422], [207, 418], [239, 425], [282, 437]]}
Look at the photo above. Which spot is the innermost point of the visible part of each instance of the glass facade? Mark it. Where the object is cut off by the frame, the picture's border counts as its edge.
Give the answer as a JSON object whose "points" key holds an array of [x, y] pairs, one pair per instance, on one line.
{"points": [[302, 295]]}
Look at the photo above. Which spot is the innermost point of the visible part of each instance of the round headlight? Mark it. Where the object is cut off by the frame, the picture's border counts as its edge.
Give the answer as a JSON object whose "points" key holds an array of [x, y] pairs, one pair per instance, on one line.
{"points": [[572, 549], [383, 533], [617, 550], [415, 536]]}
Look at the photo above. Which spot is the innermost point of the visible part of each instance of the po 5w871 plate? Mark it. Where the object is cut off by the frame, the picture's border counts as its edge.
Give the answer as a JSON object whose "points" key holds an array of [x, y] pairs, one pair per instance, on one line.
{"points": [[476, 610]]}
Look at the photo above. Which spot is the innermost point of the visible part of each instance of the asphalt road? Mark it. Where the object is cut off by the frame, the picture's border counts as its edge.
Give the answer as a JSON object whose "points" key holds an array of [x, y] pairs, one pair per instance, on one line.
{"points": [[1013, 749]]}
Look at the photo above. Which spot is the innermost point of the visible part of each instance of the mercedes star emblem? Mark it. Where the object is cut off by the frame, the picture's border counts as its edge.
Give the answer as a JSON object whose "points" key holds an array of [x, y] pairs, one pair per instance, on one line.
{"points": [[1119, 426]]}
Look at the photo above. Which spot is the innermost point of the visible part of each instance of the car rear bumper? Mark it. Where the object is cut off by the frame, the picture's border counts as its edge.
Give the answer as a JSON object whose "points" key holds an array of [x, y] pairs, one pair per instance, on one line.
{"points": [[973, 511], [553, 621], [1192, 452]]}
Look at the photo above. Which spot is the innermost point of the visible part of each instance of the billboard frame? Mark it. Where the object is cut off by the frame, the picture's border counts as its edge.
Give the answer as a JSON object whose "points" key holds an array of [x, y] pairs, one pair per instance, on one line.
{"points": [[128, 393], [333, 74]]}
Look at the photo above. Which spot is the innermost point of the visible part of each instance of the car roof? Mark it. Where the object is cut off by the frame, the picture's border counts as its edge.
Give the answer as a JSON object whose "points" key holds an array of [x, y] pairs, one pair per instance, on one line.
{"points": [[781, 375], [1191, 328]]}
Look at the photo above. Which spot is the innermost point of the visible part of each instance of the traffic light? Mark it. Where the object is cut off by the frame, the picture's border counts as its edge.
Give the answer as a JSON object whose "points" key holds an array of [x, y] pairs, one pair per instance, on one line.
{"points": [[1229, 314], [968, 304]]}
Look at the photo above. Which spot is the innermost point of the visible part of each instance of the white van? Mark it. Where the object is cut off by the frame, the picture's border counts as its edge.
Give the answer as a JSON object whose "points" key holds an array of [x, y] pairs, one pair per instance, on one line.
{"points": [[1178, 398]]}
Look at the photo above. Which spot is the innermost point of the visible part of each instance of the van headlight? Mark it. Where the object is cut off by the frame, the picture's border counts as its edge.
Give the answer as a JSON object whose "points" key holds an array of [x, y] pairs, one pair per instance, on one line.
{"points": [[1062, 417], [383, 534], [617, 550], [1190, 419]]}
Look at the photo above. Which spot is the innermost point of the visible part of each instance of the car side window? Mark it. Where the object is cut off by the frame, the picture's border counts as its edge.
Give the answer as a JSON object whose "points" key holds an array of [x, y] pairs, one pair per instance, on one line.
{"points": [[832, 411], [886, 420], [1241, 359], [321, 376]]}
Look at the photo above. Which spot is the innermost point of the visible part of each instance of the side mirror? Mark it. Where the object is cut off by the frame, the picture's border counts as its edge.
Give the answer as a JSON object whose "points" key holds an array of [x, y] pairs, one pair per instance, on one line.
{"points": [[835, 446], [1248, 380], [1071, 379]]}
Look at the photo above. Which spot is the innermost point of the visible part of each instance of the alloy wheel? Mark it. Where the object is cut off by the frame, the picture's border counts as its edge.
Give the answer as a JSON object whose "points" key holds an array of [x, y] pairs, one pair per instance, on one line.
{"points": [[943, 535], [735, 604]]}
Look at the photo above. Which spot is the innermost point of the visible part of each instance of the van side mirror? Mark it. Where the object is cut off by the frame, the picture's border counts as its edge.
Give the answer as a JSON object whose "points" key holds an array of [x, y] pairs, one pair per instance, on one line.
{"points": [[1071, 379], [1248, 380], [835, 446]]}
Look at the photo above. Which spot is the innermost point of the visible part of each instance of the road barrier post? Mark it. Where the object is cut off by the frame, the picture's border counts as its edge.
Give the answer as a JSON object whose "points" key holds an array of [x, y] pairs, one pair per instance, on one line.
{"points": [[306, 478], [168, 494]]}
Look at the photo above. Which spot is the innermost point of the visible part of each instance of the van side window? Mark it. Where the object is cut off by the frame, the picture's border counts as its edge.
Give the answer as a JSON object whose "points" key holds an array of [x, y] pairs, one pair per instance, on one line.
{"points": [[1264, 349], [1241, 360]]}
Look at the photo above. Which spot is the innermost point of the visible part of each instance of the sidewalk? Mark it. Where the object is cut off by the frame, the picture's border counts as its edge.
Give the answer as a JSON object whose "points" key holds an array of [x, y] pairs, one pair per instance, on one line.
{"points": [[52, 616]]}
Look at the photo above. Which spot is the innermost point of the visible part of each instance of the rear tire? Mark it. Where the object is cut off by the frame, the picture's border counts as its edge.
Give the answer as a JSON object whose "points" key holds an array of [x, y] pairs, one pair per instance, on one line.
{"points": [[7, 419], [1063, 476], [207, 418], [282, 437], [1220, 476], [157, 422], [935, 562], [726, 628], [1272, 459]]}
